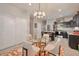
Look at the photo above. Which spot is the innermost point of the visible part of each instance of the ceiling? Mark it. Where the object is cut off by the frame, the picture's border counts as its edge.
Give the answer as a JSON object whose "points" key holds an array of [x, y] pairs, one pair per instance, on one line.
{"points": [[51, 9]]}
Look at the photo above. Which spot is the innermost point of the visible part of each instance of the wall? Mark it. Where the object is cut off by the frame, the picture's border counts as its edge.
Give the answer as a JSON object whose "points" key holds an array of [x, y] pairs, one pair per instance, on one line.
{"points": [[13, 30], [48, 22], [37, 30]]}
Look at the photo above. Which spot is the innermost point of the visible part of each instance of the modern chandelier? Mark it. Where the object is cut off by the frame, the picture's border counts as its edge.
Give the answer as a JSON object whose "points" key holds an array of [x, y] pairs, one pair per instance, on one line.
{"points": [[39, 13]]}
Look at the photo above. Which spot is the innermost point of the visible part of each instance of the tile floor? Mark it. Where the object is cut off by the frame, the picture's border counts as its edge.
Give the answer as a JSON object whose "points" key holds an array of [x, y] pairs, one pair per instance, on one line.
{"points": [[53, 47]]}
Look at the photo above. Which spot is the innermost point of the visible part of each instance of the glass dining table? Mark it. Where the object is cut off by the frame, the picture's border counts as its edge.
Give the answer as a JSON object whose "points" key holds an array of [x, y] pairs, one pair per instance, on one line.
{"points": [[39, 48]]}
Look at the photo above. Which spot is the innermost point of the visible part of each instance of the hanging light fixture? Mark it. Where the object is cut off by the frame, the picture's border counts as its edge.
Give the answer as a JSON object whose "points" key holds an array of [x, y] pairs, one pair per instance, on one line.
{"points": [[39, 13]]}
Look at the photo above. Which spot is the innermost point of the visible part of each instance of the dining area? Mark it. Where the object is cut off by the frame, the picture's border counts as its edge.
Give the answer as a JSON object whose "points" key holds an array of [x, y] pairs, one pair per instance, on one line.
{"points": [[39, 29]]}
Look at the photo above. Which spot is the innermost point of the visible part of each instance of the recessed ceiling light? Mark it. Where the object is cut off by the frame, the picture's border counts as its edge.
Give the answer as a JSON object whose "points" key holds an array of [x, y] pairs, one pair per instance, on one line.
{"points": [[59, 10], [60, 15], [30, 4]]}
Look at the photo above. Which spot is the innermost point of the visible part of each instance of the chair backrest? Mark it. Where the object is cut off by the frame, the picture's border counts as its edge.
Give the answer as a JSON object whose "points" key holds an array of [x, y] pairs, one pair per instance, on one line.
{"points": [[61, 51], [46, 37], [30, 38]]}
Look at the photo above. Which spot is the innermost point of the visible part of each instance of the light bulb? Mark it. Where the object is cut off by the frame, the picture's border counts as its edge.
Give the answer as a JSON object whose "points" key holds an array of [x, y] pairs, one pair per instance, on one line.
{"points": [[38, 16], [43, 13], [39, 12], [59, 10], [35, 14], [30, 4]]}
